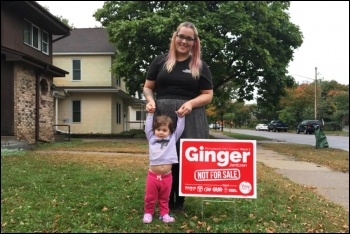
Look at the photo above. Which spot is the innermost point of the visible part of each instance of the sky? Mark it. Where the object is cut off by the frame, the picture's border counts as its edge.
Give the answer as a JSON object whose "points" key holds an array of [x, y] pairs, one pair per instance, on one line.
{"points": [[324, 25]]}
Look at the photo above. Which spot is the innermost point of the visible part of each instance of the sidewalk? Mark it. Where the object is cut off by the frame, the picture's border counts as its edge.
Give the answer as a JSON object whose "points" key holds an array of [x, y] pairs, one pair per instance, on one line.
{"points": [[331, 184]]}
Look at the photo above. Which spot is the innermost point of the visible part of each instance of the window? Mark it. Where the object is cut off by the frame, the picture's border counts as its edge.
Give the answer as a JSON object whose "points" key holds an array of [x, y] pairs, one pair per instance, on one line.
{"points": [[118, 113], [27, 33], [140, 115], [76, 69], [45, 42], [44, 87], [118, 81], [35, 37], [76, 111]]}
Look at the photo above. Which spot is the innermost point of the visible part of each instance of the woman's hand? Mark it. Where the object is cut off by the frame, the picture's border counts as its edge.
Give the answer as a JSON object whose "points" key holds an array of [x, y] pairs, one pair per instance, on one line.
{"points": [[148, 88], [151, 106], [185, 109]]}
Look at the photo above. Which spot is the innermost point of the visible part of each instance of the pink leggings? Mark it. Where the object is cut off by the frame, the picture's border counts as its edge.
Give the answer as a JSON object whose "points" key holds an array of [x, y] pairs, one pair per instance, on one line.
{"points": [[158, 188]]}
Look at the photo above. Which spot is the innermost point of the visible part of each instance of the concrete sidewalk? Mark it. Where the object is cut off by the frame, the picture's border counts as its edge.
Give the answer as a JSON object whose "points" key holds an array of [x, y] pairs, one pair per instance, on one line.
{"points": [[331, 184]]}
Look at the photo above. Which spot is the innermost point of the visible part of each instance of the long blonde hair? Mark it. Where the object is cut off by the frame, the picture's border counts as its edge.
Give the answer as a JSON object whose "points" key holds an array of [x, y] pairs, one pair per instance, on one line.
{"points": [[196, 62]]}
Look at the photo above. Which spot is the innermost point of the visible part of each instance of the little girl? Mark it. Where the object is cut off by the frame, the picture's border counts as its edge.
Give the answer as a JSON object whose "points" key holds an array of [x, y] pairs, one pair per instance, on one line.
{"points": [[162, 154]]}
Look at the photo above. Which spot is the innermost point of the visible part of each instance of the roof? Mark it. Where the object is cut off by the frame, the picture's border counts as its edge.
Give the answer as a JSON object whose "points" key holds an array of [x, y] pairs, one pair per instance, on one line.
{"points": [[37, 15], [84, 40], [42, 18]]}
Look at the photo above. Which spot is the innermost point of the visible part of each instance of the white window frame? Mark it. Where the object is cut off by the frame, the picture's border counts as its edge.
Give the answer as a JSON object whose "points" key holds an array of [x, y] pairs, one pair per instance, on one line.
{"points": [[73, 70], [45, 42], [33, 36]]}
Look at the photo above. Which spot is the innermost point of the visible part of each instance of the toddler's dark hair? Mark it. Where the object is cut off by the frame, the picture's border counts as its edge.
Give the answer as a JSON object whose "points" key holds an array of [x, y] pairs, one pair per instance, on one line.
{"points": [[163, 120]]}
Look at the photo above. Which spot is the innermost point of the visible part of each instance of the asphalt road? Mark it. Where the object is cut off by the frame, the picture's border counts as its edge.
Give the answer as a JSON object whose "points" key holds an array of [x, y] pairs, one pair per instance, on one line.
{"points": [[339, 142]]}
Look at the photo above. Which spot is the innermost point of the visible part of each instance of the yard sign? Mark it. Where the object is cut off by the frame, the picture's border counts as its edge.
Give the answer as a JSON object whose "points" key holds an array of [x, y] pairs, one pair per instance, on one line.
{"points": [[217, 168]]}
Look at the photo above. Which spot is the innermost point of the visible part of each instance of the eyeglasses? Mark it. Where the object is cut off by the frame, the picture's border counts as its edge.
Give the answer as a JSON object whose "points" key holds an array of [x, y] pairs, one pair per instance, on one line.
{"points": [[187, 38]]}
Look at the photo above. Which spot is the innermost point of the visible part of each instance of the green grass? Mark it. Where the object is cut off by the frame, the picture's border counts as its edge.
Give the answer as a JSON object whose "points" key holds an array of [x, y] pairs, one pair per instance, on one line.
{"points": [[46, 190]]}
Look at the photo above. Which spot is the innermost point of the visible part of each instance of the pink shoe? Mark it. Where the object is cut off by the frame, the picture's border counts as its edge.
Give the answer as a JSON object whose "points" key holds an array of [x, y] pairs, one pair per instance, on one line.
{"points": [[147, 218], [168, 219]]}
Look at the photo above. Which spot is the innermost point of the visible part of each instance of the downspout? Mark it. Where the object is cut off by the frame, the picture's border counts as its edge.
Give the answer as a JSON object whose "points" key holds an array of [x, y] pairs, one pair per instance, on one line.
{"points": [[56, 111]]}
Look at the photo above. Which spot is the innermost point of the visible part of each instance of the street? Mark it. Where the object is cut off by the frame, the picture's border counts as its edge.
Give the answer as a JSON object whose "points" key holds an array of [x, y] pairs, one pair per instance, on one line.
{"points": [[339, 142]]}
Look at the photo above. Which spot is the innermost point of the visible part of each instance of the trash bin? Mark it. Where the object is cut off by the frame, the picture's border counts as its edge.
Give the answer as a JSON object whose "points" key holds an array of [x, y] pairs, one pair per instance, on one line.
{"points": [[321, 139]]}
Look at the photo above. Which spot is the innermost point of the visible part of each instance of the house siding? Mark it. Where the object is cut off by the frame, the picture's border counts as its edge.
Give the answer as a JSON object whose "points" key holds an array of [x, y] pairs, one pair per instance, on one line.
{"points": [[95, 70], [97, 113]]}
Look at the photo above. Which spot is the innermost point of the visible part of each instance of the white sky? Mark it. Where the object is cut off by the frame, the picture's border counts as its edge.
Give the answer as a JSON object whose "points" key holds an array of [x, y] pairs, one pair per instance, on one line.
{"points": [[324, 24]]}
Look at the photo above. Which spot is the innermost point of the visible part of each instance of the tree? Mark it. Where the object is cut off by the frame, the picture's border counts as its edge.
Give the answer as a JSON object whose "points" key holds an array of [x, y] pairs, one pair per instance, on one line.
{"points": [[299, 102], [241, 114], [61, 18], [247, 44], [334, 101], [66, 22]]}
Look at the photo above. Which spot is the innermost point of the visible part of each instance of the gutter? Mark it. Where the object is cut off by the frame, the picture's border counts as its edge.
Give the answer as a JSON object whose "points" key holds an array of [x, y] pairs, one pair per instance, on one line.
{"points": [[59, 38], [113, 90]]}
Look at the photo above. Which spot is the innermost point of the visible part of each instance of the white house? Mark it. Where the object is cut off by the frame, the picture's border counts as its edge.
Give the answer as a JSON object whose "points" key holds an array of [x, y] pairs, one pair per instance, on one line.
{"points": [[91, 99]]}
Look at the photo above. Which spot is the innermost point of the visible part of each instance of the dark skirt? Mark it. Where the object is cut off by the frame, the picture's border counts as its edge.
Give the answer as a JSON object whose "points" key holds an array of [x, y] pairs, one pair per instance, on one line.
{"points": [[196, 123]]}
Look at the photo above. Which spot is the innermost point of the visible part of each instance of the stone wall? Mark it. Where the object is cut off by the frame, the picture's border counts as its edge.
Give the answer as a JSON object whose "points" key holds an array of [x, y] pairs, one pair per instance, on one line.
{"points": [[25, 106]]}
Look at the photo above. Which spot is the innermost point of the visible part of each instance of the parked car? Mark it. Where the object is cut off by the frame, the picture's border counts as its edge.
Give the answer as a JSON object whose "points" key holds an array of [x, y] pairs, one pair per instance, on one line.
{"points": [[277, 126], [309, 126], [261, 127], [215, 126]]}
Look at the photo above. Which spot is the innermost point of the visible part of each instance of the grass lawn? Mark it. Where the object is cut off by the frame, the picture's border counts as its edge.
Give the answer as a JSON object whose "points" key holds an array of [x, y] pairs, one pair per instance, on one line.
{"points": [[56, 188]]}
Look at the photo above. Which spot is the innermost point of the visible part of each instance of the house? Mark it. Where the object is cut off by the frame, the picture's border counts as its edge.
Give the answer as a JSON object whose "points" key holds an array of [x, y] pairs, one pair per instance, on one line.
{"points": [[91, 99], [27, 104]]}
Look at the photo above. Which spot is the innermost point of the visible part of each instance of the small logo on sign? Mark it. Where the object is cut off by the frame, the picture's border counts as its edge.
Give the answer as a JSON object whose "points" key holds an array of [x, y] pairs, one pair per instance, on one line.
{"points": [[245, 187]]}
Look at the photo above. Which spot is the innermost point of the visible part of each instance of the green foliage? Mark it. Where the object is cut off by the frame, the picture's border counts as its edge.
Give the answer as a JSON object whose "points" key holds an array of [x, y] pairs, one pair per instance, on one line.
{"points": [[65, 21], [246, 44], [332, 103]]}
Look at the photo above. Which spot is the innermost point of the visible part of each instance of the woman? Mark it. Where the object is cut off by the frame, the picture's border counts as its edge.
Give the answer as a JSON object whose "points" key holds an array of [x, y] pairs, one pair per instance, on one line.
{"points": [[181, 82]]}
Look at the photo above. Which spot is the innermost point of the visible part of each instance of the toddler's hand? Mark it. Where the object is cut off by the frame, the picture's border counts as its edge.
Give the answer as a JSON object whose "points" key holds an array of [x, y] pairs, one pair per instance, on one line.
{"points": [[179, 115]]}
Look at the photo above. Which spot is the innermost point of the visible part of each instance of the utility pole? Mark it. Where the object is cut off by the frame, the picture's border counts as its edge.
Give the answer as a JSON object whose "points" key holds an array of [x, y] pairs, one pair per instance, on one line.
{"points": [[315, 92], [315, 79]]}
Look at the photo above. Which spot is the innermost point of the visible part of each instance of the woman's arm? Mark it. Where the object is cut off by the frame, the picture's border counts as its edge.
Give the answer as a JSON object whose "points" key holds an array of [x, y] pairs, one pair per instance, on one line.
{"points": [[148, 92]]}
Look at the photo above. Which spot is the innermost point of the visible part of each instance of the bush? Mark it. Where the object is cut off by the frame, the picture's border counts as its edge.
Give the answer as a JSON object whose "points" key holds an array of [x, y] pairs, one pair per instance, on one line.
{"points": [[331, 126], [133, 133]]}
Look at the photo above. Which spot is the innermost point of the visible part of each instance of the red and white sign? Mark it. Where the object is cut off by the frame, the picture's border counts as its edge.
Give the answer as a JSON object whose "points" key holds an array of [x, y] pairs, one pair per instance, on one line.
{"points": [[218, 168]]}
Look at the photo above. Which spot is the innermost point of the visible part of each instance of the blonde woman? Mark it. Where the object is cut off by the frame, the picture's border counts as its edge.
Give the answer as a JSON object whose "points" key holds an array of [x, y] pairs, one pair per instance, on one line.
{"points": [[180, 82]]}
